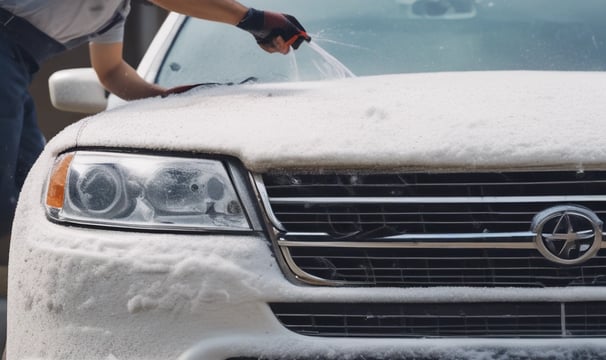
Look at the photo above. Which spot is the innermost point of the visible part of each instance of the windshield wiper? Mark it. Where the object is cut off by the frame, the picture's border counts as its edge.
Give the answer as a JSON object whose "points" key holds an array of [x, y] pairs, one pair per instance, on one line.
{"points": [[250, 79], [185, 88]]}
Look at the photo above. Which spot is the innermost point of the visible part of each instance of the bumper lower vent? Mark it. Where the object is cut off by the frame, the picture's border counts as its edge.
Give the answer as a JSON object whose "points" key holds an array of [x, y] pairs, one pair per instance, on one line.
{"points": [[445, 320]]}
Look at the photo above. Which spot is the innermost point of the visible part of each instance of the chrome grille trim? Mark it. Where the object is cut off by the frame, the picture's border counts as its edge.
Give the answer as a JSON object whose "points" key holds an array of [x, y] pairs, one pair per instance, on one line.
{"points": [[293, 215], [409, 245], [435, 200], [265, 202], [520, 234]]}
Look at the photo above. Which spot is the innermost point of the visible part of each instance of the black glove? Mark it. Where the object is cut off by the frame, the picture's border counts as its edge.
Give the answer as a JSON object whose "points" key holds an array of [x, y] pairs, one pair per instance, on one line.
{"points": [[265, 26]]}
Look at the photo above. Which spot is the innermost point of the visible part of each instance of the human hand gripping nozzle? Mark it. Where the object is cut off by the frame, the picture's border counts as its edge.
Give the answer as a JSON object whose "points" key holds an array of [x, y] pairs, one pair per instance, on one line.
{"points": [[266, 26]]}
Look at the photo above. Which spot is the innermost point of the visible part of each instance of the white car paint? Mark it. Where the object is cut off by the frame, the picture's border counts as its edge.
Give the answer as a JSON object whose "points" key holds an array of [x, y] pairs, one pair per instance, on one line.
{"points": [[89, 293]]}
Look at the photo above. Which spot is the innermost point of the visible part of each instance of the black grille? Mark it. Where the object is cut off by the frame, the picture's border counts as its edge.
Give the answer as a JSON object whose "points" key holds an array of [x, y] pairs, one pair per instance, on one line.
{"points": [[445, 320], [433, 229], [365, 220], [447, 267], [538, 183], [379, 218]]}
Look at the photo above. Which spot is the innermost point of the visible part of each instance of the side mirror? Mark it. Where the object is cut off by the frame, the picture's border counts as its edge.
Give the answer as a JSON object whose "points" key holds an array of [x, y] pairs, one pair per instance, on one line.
{"points": [[77, 90]]}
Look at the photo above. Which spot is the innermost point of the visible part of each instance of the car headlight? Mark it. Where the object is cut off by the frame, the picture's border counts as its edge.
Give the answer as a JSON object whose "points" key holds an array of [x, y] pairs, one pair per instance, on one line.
{"points": [[143, 192]]}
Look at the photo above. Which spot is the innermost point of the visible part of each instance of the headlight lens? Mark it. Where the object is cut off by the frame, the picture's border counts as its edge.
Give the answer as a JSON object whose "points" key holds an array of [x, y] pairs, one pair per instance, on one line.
{"points": [[144, 192]]}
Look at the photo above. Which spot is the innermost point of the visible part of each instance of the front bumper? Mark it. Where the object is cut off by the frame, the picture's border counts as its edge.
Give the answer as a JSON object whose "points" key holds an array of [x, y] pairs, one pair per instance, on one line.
{"points": [[93, 294]]}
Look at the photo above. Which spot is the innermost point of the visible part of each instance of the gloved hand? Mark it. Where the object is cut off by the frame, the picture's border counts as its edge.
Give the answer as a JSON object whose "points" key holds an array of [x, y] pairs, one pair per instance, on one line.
{"points": [[274, 31]]}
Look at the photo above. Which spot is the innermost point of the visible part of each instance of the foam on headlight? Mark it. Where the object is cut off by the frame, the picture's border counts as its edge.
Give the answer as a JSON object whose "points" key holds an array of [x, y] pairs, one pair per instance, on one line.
{"points": [[143, 191]]}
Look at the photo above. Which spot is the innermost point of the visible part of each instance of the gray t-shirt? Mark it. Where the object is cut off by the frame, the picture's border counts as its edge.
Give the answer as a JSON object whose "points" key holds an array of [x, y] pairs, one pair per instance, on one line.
{"points": [[66, 20]]}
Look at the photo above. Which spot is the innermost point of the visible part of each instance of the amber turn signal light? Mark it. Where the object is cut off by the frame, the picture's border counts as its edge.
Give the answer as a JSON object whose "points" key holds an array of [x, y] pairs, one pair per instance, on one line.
{"points": [[56, 185]]}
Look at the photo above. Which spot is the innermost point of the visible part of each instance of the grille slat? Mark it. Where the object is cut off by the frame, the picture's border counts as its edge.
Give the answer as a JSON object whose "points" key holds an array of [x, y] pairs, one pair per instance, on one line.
{"points": [[428, 229], [446, 278], [395, 222], [469, 184]]}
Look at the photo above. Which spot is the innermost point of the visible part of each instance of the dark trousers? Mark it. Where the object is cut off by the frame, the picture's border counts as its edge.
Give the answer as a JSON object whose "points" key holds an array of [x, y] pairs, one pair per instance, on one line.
{"points": [[21, 141]]}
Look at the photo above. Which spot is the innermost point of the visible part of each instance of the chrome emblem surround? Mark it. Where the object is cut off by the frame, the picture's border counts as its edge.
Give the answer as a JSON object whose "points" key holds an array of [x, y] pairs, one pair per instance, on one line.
{"points": [[567, 235]]}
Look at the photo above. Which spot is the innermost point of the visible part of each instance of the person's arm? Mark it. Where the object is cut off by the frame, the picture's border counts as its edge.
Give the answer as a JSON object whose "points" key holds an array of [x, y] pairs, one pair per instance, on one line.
{"points": [[117, 76], [274, 32], [225, 11]]}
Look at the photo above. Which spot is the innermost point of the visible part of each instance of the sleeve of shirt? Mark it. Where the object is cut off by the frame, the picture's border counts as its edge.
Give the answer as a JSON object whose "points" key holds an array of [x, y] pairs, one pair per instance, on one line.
{"points": [[113, 35], [116, 32]]}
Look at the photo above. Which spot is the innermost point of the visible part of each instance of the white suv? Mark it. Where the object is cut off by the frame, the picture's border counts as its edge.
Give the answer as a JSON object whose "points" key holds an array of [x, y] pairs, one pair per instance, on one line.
{"points": [[433, 186]]}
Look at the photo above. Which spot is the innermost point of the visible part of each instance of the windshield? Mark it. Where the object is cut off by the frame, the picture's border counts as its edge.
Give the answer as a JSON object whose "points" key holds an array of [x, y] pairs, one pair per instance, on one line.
{"points": [[371, 37]]}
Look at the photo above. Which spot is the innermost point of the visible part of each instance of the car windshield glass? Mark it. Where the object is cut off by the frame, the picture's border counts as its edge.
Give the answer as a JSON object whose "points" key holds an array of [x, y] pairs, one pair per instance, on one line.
{"points": [[371, 37]]}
